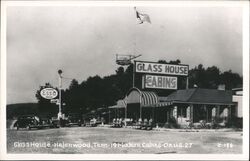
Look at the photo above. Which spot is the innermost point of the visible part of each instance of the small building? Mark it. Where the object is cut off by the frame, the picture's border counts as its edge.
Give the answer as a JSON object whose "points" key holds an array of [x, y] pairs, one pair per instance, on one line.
{"points": [[195, 105], [189, 105], [237, 98], [119, 108]]}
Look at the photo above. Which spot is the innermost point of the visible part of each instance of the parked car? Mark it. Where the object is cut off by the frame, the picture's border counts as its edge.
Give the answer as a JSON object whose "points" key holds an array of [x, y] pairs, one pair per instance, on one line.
{"points": [[74, 119], [55, 122], [59, 122], [32, 121], [27, 121]]}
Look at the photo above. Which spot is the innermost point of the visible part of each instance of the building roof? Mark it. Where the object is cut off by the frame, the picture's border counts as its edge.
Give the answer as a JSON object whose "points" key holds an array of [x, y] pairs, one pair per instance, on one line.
{"points": [[194, 96], [119, 104], [237, 89], [199, 95]]}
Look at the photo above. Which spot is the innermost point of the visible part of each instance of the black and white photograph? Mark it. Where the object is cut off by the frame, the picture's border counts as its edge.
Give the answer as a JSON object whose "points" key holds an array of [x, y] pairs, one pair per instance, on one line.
{"points": [[142, 79]]}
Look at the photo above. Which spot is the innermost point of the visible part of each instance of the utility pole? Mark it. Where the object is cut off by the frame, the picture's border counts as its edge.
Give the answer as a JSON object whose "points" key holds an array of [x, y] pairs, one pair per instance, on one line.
{"points": [[60, 95], [133, 75], [187, 82], [126, 62]]}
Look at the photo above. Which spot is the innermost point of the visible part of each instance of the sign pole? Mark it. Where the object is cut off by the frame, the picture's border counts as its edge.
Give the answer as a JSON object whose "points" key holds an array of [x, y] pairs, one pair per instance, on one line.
{"points": [[140, 107], [133, 75], [60, 95], [60, 102], [125, 116]]}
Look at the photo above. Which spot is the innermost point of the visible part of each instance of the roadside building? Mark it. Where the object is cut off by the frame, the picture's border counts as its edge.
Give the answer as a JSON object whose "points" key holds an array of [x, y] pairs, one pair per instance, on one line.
{"points": [[183, 106], [118, 110], [196, 105], [237, 98]]}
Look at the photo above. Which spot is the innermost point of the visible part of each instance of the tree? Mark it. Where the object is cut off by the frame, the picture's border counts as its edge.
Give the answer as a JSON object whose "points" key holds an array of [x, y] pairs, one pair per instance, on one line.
{"points": [[74, 85], [120, 71], [197, 76], [231, 80], [73, 98], [212, 77], [99, 92], [177, 61]]}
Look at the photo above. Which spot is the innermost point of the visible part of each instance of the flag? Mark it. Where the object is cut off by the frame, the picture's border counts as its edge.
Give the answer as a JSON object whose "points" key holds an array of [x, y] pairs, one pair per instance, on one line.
{"points": [[142, 17]]}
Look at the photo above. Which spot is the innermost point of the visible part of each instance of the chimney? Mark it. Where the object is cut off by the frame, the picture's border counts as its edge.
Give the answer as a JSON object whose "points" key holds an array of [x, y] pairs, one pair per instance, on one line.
{"points": [[222, 87]]}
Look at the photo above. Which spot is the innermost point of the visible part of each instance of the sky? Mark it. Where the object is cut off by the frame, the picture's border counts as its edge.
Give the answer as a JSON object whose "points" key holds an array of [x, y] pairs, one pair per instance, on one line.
{"points": [[83, 41]]}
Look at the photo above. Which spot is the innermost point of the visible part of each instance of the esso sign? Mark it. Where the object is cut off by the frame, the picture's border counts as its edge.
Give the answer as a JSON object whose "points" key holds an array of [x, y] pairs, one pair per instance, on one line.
{"points": [[49, 93]]}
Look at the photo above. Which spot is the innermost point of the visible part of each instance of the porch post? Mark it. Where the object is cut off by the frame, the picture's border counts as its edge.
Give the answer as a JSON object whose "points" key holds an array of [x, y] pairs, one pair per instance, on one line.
{"points": [[140, 111], [175, 112], [109, 116], [168, 115], [181, 113], [229, 115], [191, 113], [125, 116], [153, 113], [218, 112], [206, 113], [140, 106], [188, 112]]}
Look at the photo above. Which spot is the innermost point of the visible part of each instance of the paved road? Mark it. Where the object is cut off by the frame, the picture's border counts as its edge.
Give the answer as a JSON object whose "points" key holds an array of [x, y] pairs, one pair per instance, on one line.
{"points": [[103, 140]]}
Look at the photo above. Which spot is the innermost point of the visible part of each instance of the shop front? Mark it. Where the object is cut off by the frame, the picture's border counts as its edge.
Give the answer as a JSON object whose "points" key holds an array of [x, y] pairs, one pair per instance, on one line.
{"points": [[140, 104], [202, 105], [183, 106]]}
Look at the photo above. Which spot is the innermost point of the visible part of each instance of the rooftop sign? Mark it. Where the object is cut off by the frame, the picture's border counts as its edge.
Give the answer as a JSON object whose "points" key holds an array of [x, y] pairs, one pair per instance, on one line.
{"points": [[159, 68]]}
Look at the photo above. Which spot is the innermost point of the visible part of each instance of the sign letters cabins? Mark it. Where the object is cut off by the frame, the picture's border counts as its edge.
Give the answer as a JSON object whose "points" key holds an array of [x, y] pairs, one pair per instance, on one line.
{"points": [[181, 106]]}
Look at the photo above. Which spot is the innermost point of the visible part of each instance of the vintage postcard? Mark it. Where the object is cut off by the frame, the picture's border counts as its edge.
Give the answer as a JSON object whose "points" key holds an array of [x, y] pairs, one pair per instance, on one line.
{"points": [[112, 80]]}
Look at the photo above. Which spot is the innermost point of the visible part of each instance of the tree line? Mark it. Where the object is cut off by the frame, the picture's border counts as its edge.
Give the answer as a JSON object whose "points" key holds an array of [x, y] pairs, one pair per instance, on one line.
{"points": [[97, 92]]}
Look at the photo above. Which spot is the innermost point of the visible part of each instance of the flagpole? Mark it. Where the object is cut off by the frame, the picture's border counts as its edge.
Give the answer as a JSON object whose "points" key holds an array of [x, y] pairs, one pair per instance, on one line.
{"points": [[133, 75], [134, 61]]}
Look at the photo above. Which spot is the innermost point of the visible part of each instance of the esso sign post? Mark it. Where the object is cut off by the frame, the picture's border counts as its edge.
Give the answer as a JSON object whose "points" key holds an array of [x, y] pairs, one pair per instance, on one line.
{"points": [[49, 93]]}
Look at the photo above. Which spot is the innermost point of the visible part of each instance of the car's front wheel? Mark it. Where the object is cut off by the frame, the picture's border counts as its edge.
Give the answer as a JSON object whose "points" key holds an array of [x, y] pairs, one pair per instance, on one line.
{"points": [[28, 127]]}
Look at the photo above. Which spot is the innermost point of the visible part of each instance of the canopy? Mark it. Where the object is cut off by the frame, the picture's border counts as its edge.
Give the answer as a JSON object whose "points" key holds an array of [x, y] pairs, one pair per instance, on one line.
{"points": [[144, 98], [148, 99]]}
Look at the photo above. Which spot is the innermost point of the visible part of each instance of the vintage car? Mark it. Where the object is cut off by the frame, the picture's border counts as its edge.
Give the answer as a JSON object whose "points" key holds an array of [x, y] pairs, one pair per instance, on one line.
{"points": [[33, 121], [55, 122], [27, 121], [74, 119], [92, 122]]}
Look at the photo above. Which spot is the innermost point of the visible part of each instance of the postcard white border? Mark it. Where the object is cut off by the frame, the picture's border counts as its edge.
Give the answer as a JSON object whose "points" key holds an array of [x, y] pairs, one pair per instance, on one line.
{"points": [[245, 34]]}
